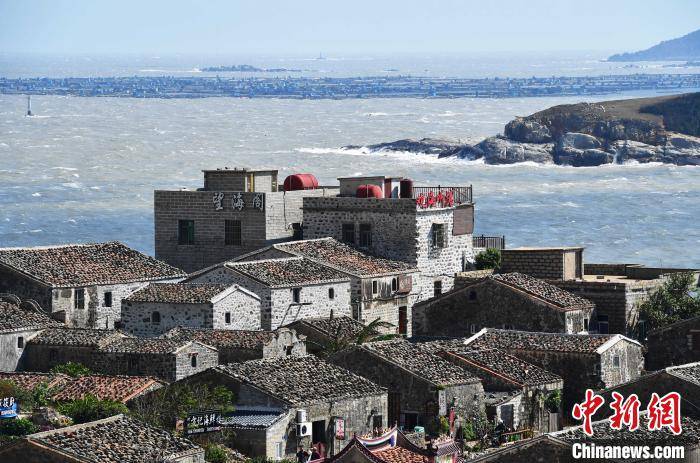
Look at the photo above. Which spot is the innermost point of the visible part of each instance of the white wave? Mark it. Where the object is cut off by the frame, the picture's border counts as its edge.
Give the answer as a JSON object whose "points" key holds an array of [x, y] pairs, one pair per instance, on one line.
{"points": [[64, 168], [36, 195], [36, 230], [74, 185]]}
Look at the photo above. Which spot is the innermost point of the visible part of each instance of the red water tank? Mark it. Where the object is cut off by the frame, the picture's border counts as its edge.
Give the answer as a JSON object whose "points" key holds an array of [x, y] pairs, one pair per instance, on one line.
{"points": [[300, 182], [369, 191], [406, 188]]}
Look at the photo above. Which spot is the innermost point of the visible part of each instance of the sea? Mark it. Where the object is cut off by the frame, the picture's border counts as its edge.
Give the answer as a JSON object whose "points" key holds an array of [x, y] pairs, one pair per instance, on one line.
{"points": [[84, 169]]}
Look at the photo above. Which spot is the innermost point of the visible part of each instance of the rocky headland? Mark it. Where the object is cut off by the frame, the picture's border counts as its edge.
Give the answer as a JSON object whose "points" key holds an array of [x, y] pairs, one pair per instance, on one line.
{"points": [[661, 129]]}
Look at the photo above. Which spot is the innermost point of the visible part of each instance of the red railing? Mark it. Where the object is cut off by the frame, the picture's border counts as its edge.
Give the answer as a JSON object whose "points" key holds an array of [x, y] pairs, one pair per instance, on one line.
{"points": [[442, 196]]}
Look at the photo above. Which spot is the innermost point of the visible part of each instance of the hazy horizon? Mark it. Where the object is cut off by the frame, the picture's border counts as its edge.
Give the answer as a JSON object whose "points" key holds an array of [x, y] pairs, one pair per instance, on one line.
{"points": [[448, 27]]}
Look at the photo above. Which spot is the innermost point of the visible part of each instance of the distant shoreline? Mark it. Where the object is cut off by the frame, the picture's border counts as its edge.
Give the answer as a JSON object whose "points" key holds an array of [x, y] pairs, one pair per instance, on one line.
{"points": [[246, 68], [348, 87]]}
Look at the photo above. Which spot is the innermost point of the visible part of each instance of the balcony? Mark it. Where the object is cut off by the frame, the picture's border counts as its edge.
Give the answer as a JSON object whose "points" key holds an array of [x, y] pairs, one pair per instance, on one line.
{"points": [[442, 196], [485, 242]]}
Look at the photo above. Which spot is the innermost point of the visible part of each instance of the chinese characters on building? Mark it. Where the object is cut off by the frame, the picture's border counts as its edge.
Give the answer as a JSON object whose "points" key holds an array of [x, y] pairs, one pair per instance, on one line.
{"points": [[238, 202]]}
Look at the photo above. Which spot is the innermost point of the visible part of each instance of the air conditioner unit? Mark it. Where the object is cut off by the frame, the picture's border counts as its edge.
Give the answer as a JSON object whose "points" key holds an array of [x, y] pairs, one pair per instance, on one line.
{"points": [[303, 429], [301, 415]]}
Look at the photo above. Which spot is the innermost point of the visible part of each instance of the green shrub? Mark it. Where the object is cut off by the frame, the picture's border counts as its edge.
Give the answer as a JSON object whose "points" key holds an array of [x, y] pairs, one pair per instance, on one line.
{"points": [[215, 454], [444, 426], [553, 401], [90, 408], [72, 369], [468, 432], [675, 300], [17, 427], [489, 259]]}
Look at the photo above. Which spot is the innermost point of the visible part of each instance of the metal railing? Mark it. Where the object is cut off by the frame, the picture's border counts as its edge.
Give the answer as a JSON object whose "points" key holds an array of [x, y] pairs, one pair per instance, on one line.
{"points": [[485, 242], [460, 194]]}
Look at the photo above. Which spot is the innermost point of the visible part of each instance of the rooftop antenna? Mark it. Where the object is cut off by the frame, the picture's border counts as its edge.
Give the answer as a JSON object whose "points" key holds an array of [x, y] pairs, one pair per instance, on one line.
{"points": [[29, 105]]}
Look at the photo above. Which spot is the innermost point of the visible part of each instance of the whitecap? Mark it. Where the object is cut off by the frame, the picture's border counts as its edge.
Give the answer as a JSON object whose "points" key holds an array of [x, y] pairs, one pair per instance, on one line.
{"points": [[36, 195]]}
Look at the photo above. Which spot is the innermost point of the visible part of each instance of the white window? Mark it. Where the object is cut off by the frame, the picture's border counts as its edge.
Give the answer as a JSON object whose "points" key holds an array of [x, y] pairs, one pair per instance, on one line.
{"points": [[472, 329]]}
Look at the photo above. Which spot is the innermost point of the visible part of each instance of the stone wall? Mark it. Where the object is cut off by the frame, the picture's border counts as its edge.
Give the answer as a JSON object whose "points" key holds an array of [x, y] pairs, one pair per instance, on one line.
{"points": [[244, 313], [11, 356], [546, 264], [415, 394], [490, 304], [673, 345], [630, 359], [24, 287], [386, 303]]}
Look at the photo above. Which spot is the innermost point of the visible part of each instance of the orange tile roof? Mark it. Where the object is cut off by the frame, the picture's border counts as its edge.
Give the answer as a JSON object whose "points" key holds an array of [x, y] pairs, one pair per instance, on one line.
{"points": [[104, 387], [30, 380], [400, 455]]}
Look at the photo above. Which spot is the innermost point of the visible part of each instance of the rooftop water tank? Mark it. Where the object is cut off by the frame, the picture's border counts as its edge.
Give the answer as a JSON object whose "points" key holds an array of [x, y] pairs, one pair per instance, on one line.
{"points": [[300, 182], [369, 191]]}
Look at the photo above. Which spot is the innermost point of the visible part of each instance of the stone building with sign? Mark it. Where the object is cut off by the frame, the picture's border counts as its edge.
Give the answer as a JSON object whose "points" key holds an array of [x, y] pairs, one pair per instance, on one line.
{"points": [[429, 228], [315, 397], [19, 322], [507, 300], [422, 386], [242, 345], [380, 288], [160, 307], [289, 288], [237, 211], [584, 361], [81, 285], [117, 439]]}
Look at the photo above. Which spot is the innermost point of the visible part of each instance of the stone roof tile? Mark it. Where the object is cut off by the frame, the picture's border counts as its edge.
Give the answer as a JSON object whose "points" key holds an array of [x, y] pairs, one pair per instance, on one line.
{"points": [[293, 271], [106, 387], [543, 290], [85, 264], [14, 318], [491, 338], [301, 380], [77, 337], [118, 439], [29, 380], [143, 346], [245, 339], [342, 327]]}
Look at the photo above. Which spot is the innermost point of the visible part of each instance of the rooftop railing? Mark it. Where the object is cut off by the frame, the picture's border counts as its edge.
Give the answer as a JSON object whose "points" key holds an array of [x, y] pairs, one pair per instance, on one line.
{"points": [[442, 196], [485, 242]]}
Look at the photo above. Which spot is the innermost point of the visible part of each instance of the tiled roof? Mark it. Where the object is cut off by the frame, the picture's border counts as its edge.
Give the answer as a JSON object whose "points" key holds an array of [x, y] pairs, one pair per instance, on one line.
{"points": [[419, 362], [496, 361], [252, 418], [105, 387], [400, 455], [604, 434], [30, 380], [14, 318], [491, 338], [293, 271], [244, 339], [118, 439], [177, 293], [301, 380], [343, 327], [84, 264], [346, 258], [689, 372], [543, 290], [79, 337], [143, 346]]}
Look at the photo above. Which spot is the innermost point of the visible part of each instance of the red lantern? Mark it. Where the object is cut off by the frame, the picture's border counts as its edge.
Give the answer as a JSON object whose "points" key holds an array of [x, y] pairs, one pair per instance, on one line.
{"points": [[420, 201], [431, 199], [450, 198], [441, 198]]}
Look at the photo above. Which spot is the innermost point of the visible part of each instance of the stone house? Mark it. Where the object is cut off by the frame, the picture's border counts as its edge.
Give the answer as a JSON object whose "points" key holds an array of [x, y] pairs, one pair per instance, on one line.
{"points": [[237, 211], [58, 345], [422, 386], [675, 344], [160, 307], [289, 288], [322, 333], [242, 345], [117, 439], [683, 379], [165, 359], [592, 361], [81, 285], [429, 228], [506, 300], [257, 431], [617, 290], [19, 322], [111, 352], [516, 392], [380, 288], [315, 396]]}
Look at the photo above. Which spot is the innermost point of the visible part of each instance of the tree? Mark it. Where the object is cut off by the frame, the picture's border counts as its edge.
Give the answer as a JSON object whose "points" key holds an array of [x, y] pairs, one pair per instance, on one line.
{"points": [[17, 427], [72, 369], [340, 340], [90, 408], [489, 259], [163, 407], [677, 299]]}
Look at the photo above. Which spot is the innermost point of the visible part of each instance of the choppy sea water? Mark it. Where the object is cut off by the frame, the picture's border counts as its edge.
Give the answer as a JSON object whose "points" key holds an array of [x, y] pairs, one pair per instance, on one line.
{"points": [[84, 169]]}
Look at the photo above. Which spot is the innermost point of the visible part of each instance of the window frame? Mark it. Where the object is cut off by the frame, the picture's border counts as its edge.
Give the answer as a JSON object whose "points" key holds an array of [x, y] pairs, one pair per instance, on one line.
{"points": [[365, 240], [438, 236], [227, 318], [79, 298], [107, 298], [395, 284], [331, 293], [155, 317], [233, 232], [375, 287], [296, 295], [186, 238], [437, 288], [20, 342], [348, 231]]}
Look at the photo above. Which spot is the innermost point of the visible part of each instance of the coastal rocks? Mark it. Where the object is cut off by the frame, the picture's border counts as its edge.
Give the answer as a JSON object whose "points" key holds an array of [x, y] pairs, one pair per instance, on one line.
{"points": [[527, 131], [680, 150], [424, 146], [580, 150], [499, 150], [586, 158]]}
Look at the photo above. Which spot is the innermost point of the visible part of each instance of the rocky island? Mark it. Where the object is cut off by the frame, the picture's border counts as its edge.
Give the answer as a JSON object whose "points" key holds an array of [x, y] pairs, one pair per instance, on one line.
{"points": [[686, 48], [661, 129]]}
